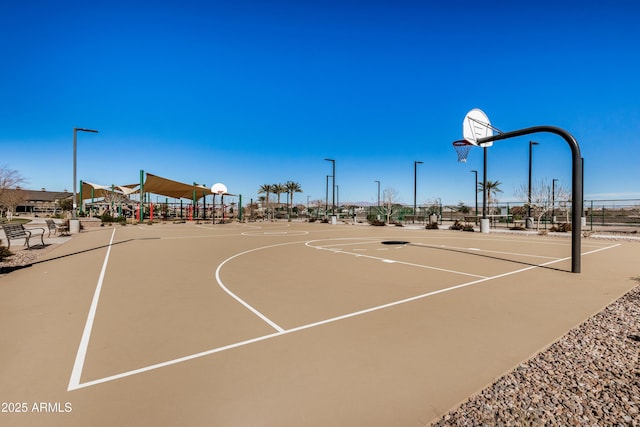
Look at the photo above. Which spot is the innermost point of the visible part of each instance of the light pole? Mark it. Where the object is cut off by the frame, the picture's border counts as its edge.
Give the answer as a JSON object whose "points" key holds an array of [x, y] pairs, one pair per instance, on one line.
{"points": [[476, 191], [415, 188], [333, 186], [326, 197], [531, 144], [378, 212], [553, 200], [75, 150]]}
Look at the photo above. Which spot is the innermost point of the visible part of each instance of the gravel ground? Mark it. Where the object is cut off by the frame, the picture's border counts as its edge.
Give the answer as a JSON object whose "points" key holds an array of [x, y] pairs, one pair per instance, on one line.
{"points": [[22, 257], [590, 377]]}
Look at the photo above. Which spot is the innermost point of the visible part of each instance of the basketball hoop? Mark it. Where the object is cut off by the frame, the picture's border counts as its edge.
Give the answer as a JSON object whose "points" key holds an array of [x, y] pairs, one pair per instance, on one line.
{"points": [[219, 189], [462, 147]]}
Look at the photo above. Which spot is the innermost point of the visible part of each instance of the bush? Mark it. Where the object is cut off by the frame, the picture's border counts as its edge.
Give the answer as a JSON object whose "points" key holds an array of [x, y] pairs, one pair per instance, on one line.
{"points": [[561, 228], [106, 218], [377, 222], [4, 253], [457, 225], [468, 227], [432, 226]]}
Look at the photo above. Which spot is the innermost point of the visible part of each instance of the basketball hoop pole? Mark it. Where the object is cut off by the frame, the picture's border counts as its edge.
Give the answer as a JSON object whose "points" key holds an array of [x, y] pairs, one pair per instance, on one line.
{"points": [[576, 182]]}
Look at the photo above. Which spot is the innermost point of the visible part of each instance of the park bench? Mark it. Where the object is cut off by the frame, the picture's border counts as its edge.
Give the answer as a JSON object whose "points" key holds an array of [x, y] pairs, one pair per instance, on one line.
{"points": [[17, 231], [52, 225]]}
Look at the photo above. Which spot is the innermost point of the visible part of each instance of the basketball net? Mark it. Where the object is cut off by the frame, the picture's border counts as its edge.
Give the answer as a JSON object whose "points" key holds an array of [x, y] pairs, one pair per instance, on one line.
{"points": [[462, 147]]}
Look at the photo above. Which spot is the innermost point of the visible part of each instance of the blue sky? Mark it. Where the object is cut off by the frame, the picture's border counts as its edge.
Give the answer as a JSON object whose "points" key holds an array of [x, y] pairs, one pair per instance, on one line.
{"points": [[258, 92]]}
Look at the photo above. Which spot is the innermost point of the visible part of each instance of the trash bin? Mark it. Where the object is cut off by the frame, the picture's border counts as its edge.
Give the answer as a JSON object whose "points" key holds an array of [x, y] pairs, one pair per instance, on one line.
{"points": [[484, 225], [74, 226]]}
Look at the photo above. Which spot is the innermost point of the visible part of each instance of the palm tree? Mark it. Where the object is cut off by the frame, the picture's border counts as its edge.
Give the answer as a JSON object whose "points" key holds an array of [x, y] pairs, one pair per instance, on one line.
{"points": [[278, 189], [292, 187], [493, 188], [266, 189]]}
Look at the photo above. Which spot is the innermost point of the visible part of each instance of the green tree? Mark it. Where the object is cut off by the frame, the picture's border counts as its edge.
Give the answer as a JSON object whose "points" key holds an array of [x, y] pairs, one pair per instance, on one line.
{"points": [[266, 189], [292, 187], [493, 189], [278, 190], [462, 208]]}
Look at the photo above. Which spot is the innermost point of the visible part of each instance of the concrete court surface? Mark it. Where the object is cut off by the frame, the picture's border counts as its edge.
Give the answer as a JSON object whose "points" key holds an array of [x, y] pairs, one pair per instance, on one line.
{"points": [[285, 324]]}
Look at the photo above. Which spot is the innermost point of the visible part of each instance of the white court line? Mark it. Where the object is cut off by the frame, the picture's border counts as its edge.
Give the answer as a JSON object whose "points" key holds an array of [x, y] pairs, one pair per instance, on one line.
{"points": [[74, 381], [76, 385], [212, 236], [240, 300], [425, 245], [366, 242], [387, 260]]}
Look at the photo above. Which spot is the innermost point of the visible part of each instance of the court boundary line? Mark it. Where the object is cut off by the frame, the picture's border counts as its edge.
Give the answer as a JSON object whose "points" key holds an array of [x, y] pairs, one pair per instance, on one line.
{"points": [[81, 354], [75, 384]]}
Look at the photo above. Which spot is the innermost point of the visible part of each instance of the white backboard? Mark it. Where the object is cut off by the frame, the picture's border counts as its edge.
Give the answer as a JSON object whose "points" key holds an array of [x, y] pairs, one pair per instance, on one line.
{"points": [[219, 188], [476, 125]]}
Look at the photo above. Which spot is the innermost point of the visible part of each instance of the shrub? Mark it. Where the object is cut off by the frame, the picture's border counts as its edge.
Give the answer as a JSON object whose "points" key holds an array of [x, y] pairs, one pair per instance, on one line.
{"points": [[432, 226], [377, 222], [106, 217], [561, 228], [457, 225], [468, 227], [4, 253]]}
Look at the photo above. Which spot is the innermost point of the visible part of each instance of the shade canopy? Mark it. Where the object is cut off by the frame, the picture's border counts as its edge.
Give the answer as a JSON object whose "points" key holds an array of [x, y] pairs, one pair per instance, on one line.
{"points": [[155, 185], [166, 187]]}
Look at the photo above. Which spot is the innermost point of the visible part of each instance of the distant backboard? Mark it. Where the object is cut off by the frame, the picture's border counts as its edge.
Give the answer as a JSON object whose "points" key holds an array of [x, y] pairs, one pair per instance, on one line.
{"points": [[475, 126], [219, 189]]}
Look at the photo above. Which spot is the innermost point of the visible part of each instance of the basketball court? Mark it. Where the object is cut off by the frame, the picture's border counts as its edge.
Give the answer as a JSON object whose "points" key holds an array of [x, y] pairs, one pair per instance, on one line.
{"points": [[286, 324]]}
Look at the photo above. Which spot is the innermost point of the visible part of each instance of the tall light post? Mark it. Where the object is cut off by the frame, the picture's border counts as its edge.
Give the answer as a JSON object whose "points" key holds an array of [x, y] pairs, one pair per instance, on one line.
{"points": [[415, 188], [333, 186], [378, 212], [553, 200], [326, 197], [476, 191], [531, 144], [75, 150]]}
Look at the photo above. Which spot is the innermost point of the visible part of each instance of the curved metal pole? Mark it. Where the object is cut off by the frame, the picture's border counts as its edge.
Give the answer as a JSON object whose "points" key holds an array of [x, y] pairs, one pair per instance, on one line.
{"points": [[576, 182]]}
